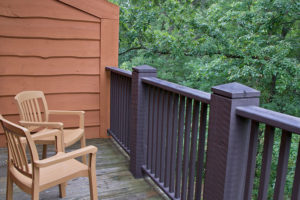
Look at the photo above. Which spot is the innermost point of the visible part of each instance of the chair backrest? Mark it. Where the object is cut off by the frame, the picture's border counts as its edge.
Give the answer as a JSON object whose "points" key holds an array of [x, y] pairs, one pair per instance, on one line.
{"points": [[32, 106], [17, 157]]}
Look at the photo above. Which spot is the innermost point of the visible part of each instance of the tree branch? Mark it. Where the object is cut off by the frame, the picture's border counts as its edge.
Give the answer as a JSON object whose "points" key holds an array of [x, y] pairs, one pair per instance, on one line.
{"points": [[131, 49]]}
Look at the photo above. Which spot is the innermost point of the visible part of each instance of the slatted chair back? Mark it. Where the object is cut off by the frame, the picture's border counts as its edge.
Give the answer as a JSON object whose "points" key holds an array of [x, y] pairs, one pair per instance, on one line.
{"points": [[16, 150], [32, 107]]}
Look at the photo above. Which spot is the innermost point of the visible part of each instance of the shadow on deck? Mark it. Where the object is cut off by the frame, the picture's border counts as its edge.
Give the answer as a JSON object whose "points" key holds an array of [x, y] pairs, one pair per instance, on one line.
{"points": [[113, 178]]}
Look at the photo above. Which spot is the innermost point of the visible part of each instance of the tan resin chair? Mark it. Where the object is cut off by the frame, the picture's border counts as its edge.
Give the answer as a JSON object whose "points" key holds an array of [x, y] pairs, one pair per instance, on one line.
{"points": [[38, 175], [34, 115]]}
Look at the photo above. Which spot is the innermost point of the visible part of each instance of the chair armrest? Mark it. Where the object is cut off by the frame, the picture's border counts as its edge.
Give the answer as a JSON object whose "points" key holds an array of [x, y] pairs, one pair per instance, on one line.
{"points": [[69, 112], [66, 112], [43, 124], [61, 156], [57, 133], [48, 133]]}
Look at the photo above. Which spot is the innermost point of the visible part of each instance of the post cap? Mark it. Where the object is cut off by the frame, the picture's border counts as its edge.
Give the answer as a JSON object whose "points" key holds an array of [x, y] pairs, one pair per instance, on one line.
{"points": [[235, 91], [144, 69]]}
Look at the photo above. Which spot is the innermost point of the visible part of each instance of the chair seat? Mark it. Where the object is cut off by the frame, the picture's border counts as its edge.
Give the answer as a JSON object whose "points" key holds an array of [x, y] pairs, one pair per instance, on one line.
{"points": [[71, 136], [50, 176]]}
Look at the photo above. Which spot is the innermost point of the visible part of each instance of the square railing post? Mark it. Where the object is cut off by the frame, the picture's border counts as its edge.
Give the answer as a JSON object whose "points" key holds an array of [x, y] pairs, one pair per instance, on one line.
{"points": [[228, 142], [138, 111]]}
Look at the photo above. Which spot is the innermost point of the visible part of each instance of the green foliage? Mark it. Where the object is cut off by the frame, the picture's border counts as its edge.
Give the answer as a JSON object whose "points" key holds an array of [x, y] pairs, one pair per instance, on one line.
{"points": [[203, 43], [252, 42]]}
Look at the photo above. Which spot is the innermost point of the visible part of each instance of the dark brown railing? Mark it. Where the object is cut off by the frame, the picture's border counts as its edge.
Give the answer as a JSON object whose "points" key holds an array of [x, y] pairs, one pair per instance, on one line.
{"points": [[163, 127], [120, 95], [288, 125], [172, 122]]}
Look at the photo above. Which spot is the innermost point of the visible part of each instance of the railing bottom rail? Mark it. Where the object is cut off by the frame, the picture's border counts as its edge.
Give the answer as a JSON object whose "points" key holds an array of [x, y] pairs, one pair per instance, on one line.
{"points": [[109, 132], [159, 184]]}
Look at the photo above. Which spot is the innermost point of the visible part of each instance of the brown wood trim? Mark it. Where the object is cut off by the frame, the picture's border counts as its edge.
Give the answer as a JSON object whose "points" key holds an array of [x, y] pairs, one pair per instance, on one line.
{"points": [[101, 9], [109, 48]]}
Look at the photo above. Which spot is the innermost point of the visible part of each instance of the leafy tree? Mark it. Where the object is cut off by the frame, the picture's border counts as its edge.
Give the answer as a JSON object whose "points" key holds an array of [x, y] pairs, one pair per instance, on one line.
{"points": [[203, 43]]}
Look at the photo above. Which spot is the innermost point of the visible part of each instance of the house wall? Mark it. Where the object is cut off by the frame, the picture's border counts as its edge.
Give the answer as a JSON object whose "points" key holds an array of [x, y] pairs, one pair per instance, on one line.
{"points": [[50, 46]]}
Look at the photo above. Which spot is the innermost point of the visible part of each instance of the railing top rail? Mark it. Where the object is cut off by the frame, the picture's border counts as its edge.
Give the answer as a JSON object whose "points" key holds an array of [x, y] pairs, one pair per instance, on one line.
{"points": [[272, 118], [179, 89], [119, 71]]}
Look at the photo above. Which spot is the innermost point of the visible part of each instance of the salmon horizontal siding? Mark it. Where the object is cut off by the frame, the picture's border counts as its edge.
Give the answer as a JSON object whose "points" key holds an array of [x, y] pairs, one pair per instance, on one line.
{"points": [[46, 48], [92, 132], [11, 85], [45, 8], [10, 65], [8, 105], [48, 28]]}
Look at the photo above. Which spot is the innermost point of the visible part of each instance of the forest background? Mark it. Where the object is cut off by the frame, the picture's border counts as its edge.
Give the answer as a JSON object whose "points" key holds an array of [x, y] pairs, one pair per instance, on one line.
{"points": [[204, 43]]}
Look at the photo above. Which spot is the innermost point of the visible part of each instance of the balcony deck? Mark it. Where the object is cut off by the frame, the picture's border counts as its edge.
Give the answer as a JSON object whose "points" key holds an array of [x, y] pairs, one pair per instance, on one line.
{"points": [[113, 178]]}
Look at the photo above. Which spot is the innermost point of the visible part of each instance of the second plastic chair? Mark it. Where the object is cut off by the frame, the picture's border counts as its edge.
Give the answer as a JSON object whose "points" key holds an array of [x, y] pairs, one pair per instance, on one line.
{"points": [[34, 115]]}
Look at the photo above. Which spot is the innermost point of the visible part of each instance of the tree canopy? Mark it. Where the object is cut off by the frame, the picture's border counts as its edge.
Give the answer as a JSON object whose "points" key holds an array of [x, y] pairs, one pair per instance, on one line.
{"points": [[203, 43]]}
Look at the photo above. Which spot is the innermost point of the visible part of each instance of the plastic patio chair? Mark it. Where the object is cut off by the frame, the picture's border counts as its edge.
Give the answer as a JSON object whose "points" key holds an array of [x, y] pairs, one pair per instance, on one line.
{"points": [[34, 115], [38, 175]]}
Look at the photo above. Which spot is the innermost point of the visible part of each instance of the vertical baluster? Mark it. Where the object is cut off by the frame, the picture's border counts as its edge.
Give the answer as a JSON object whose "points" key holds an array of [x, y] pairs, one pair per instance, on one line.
{"points": [[121, 113], [266, 163], [129, 111], [169, 141], [282, 164], [251, 160], [159, 132], [201, 150], [186, 148], [119, 107], [174, 142], [179, 146], [124, 108], [116, 104], [154, 140], [163, 136], [115, 107], [126, 112], [113, 104], [296, 184], [146, 123], [150, 127], [193, 150]]}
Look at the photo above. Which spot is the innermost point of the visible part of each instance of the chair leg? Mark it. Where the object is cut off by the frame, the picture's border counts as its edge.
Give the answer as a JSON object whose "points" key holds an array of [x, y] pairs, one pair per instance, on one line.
{"points": [[9, 187], [83, 144], [92, 177], [62, 190], [35, 195], [44, 151]]}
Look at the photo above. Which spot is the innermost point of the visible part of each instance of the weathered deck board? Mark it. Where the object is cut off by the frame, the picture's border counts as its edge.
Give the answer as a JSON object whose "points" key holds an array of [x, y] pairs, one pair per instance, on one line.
{"points": [[113, 178]]}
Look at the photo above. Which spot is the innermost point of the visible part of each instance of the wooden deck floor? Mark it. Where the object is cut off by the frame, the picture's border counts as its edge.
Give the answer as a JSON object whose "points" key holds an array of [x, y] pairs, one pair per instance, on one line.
{"points": [[113, 178]]}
